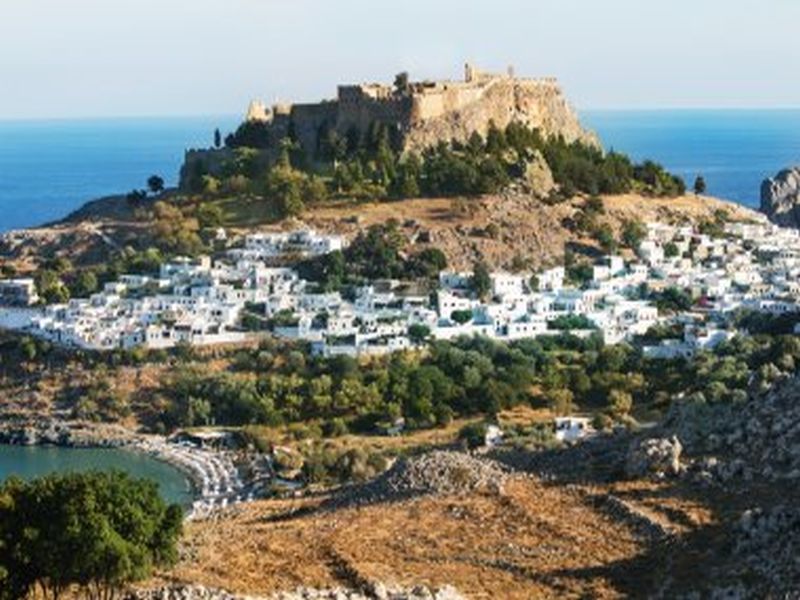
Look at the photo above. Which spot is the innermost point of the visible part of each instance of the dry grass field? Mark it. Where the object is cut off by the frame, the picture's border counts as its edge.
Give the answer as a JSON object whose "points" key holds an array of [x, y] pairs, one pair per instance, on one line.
{"points": [[531, 540]]}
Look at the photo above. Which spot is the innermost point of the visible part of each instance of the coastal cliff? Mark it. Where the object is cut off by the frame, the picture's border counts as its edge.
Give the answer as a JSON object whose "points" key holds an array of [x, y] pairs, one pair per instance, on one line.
{"points": [[780, 198]]}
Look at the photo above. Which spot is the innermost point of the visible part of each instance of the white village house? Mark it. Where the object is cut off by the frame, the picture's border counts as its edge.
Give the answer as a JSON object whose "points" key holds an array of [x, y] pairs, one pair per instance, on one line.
{"points": [[202, 301]]}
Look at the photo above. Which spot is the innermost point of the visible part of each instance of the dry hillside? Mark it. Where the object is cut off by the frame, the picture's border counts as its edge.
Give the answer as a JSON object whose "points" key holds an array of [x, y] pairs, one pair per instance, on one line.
{"points": [[703, 505], [529, 540], [499, 229], [504, 230]]}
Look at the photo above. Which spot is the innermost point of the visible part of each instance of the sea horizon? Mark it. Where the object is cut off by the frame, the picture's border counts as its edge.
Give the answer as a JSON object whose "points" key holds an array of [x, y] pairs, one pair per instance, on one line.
{"points": [[50, 167]]}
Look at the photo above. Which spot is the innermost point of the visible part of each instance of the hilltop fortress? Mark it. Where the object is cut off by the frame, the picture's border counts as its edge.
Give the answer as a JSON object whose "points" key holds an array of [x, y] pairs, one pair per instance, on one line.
{"points": [[421, 114]]}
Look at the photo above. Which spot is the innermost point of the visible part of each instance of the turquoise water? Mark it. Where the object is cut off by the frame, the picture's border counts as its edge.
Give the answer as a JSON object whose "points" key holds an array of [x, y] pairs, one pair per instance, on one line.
{"points": [[734, 150], [29, 462], [49, 168]]}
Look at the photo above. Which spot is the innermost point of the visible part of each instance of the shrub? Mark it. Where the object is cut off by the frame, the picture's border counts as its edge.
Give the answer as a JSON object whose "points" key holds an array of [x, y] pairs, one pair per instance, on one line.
{"points": [[473, 435]]}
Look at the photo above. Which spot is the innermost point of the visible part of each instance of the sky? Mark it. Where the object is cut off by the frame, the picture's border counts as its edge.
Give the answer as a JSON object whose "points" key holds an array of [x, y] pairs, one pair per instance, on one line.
{"points": [[97, 58]]}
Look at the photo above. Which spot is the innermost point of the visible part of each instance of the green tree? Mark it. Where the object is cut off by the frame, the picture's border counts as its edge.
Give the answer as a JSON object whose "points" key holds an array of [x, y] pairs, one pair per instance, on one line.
{"points": [[285, 188], [473, 435], [217, 139], [605, 237], [97, 531], [135, 198], [377, 251], [700, 185], [209, 215], [671, 250], [419, 333], [406, 182], [561, 401], [314, 190], [620, 403], [633, 232], [401, 83], [85, 284], [481, 281], [50, 287], [428, 263], [673, 299], [155, 184], [175, 231], [571, 322], [461, 316]]}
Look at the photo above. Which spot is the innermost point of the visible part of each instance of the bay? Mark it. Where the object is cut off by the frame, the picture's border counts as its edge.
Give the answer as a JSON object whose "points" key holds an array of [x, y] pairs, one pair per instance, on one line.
{"points": [[28, 462]]}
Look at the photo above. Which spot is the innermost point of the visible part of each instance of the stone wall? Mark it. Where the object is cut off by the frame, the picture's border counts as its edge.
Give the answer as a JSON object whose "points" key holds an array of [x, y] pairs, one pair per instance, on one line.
{"points": [[359, 111], [308, 119], [444, 99]]}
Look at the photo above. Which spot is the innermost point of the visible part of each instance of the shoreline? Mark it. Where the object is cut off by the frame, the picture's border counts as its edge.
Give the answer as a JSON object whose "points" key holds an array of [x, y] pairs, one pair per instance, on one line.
{"points": [[217, 477]]}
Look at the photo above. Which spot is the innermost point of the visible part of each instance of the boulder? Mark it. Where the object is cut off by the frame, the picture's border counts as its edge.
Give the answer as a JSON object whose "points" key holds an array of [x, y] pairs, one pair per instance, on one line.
{"points": [[780, 198], [659, 457]]}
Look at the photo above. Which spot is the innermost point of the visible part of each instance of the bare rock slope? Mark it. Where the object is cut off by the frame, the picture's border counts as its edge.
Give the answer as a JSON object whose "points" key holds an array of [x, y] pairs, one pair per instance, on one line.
{"points": [[780, 198]]}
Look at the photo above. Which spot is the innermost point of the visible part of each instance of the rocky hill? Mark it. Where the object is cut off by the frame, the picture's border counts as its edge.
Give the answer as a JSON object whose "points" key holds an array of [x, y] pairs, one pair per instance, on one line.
{"points": [[419, 114], [514, 229], [780, 198]]}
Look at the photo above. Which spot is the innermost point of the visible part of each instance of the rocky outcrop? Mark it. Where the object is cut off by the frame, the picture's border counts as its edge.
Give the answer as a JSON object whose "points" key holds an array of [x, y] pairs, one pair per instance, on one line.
{"points": [[539, 104], [640, 523], [659, 457], [45, 432], [733, 445], [767, 542], [780, 198], [184, 592], [538, 178]]}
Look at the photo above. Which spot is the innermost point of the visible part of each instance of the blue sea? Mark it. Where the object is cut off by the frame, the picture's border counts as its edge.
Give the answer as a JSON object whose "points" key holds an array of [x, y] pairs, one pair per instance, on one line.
{"points": [[734, 150], [49, 168]]}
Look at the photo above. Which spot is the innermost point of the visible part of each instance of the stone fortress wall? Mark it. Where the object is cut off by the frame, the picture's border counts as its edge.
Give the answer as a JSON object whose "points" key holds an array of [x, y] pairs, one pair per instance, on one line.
{"points": [[434, 110], [427, 112]]}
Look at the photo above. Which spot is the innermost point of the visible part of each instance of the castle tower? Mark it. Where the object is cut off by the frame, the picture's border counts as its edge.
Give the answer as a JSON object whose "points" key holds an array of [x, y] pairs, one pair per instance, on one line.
{"points": [[256, 112], [470, 73]]}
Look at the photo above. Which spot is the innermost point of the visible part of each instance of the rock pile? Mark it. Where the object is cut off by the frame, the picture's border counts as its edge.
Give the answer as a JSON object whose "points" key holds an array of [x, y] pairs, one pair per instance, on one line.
{"points": [[768, 545], [597, 459], [659, 457], [639, 522], [438, 472], [184, 592], [377, 591]]}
